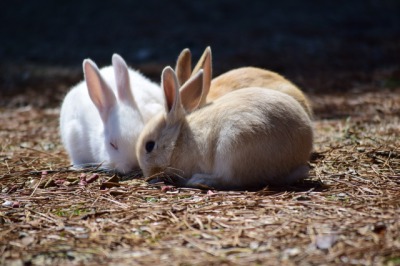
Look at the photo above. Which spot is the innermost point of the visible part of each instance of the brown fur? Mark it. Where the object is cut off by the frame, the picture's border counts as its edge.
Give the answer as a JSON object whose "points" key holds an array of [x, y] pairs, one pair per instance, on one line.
{"points": [[255, 77], [246, 138], [236, 79]]}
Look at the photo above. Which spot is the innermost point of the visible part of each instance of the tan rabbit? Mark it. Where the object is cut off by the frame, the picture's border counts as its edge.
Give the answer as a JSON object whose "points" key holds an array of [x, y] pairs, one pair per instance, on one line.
{"points": [[239, 78], [245, 139]]}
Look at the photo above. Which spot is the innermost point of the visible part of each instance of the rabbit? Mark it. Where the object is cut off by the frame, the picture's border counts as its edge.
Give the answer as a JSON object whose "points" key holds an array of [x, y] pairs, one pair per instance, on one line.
{"points": [[235, 79], [245, 139], [102, 117]]}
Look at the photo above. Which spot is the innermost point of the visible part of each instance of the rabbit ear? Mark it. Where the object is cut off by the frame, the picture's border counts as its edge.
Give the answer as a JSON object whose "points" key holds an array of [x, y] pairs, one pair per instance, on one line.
{"points": [[122, 80], [191, 92], [171, 91], [183, 66], [99, 91], [205, 63]]}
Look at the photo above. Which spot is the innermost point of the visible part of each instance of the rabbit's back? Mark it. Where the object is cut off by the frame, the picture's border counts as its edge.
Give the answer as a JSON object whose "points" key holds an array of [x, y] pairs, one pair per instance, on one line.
{"points": [[258, 136], [245, 77]]}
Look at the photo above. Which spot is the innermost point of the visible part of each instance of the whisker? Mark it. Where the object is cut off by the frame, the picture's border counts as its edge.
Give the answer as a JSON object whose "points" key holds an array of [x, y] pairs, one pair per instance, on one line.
{"points": [[175, 169], [174, 178], [154, 176], [175, 175], [170, 175], [174, 172]]}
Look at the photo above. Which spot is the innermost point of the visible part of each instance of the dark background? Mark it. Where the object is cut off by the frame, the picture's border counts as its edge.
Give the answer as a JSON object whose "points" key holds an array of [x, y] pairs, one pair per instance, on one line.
{"points": [[320, 45]]}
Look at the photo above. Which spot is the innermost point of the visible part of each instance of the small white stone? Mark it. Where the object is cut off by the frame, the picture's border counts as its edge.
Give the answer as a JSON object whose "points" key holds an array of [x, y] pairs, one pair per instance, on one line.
{"points": [[7, 203]]}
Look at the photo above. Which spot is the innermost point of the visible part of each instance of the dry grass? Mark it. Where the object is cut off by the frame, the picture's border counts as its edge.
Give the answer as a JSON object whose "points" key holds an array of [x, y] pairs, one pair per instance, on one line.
{"points": [[347, 213]]}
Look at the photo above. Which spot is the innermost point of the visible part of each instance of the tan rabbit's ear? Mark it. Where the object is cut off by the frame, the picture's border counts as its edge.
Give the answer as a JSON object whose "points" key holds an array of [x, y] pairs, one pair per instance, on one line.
{"points": [[191, 92], [99, 91], [172, 98], [205, 63], [183, 66], [202, 61], [122, 80]]}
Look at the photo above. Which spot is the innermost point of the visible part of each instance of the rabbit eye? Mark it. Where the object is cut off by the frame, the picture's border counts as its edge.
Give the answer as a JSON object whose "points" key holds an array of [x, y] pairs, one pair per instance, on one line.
{"points": [[114, 146], [150, 146]]}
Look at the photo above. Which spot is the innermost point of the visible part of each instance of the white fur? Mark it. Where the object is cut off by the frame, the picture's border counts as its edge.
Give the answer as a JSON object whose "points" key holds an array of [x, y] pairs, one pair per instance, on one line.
{"points": [[87, 129]]}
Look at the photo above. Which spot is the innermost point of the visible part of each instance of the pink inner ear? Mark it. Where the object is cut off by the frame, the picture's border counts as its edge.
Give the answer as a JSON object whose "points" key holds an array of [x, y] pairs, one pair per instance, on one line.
{"points": [[169, 96], [100, 93], [191, 92], [169, 88], [122, 79]]}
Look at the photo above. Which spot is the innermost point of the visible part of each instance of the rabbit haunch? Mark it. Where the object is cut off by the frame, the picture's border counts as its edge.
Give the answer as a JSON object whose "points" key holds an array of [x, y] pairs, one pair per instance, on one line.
{"points": [[244, 139], [102, 117]]}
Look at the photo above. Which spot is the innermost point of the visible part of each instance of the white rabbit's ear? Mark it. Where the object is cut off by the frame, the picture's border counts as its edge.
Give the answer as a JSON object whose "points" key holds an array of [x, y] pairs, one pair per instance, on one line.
{"points": [[191, 92], [183, 66], [122, 80], [99, 91], [171, 91], [205, 63]]}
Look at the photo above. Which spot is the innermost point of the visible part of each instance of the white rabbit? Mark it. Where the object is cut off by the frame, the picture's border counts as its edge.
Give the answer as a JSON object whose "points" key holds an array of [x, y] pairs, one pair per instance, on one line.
{"points": [[245, 139], [235, 79], [102, 117]]}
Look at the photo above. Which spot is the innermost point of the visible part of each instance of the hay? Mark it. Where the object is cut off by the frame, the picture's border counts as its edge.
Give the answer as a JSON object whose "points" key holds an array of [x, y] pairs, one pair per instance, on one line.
{"points": [[348, 212]]}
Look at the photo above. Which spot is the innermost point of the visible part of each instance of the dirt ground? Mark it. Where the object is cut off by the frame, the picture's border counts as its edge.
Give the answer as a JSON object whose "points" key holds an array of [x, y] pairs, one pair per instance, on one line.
{"points": [[346, 213], [346, 57]]}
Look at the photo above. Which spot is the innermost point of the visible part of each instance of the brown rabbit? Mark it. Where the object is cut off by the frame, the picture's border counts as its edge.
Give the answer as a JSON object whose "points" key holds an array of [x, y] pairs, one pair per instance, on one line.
{"points": [[235, 79], [245, 139]]}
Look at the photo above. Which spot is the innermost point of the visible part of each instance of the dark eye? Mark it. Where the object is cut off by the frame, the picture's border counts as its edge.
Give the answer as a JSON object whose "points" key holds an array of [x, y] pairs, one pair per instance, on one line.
{"points": [[150, 146], [114, 146]]}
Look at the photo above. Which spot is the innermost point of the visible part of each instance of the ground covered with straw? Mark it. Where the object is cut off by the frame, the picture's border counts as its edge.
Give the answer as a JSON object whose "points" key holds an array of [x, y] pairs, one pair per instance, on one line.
{"points": [[346, 213]]}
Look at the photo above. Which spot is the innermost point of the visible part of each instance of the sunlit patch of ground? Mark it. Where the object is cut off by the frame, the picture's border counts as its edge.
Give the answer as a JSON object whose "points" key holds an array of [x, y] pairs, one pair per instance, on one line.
{"points": [[348, 212]]}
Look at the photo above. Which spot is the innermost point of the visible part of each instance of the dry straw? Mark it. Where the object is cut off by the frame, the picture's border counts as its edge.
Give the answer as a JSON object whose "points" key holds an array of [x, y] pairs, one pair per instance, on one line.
{"points": [[348, 212]]}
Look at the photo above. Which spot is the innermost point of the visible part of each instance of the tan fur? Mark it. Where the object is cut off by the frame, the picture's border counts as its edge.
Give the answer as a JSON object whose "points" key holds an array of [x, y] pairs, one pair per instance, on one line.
{"points": [[184, 66], [244, 139], [239, 78], [255, 77], [184, 72]]}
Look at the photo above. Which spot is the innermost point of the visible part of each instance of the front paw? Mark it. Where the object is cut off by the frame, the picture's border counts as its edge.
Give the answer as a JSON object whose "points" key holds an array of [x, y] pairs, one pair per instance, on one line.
{"points": [[201, 181]]}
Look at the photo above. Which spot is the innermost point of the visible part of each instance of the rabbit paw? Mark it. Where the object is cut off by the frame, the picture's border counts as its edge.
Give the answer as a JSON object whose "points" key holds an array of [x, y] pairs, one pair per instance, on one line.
{"points": [[203, 181]]}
